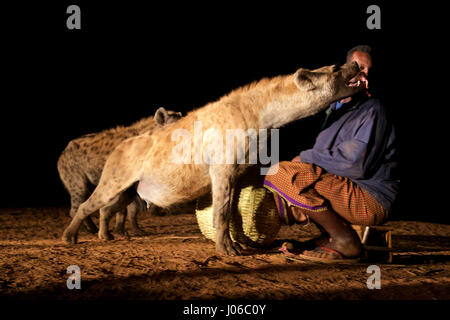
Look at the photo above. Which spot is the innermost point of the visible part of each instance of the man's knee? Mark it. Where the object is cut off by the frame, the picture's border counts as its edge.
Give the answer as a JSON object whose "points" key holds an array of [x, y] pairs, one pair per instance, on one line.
{"points": [[273, 170], [281, 168]]}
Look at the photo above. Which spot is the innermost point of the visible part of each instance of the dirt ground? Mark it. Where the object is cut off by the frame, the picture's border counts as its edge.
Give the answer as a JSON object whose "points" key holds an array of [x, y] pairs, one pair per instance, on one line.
{"points": [[174, 261]]}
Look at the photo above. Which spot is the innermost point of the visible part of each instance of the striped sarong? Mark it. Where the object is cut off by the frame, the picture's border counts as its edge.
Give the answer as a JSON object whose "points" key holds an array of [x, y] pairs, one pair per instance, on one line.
{"points": [[311, 188]]}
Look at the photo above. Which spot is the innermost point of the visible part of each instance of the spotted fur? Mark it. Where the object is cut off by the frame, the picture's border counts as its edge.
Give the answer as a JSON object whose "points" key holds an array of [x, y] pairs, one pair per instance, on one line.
{"points": [[81, 164]]}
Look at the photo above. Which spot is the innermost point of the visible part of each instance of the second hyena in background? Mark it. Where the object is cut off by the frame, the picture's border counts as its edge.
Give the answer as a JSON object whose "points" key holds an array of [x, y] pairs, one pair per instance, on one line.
{"points": [[81, 163]]}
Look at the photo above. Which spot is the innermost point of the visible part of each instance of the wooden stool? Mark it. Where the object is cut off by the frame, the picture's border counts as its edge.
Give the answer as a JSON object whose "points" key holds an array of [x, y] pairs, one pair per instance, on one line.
{"points": [[377, 241]]}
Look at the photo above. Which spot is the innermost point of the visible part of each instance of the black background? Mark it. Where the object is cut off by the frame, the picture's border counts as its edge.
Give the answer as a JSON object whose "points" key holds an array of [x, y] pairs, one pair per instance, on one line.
{"points": [[129, 58]]}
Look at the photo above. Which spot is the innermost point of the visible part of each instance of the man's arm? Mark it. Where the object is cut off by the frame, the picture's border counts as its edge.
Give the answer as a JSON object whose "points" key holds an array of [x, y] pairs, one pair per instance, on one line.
{"points": [[348, 158]]}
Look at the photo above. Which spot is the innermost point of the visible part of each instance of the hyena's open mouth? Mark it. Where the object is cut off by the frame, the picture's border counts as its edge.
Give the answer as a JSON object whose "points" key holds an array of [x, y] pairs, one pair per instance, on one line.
{"points": [[359, 80]]}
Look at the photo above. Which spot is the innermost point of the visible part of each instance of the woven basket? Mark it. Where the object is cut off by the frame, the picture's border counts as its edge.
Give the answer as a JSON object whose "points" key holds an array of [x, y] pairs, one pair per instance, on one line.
{"points": [[255, 222]]}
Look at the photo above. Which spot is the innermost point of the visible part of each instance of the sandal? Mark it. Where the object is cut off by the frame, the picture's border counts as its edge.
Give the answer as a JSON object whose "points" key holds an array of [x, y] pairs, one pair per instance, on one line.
{"points": [[320, 254]]}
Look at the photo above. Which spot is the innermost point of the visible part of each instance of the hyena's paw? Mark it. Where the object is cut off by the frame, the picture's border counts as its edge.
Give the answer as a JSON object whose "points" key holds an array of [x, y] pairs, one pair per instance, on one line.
{"points": [[70, 237], [123, 236], [105, 236], [120, 230], [91, 229], [138, 232], [228, 247]]}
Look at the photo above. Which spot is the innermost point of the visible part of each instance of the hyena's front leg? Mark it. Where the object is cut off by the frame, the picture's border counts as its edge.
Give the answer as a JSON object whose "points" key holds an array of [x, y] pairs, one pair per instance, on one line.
{"points": [[223, 188]]}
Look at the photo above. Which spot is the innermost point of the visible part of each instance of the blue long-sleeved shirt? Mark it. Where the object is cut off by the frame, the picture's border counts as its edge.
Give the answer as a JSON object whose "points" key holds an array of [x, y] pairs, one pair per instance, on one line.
{"points": [[361, 145]]}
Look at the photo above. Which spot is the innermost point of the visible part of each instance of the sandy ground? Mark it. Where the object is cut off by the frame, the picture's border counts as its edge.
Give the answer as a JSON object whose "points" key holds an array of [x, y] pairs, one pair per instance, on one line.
{"points": [[174, 261]]}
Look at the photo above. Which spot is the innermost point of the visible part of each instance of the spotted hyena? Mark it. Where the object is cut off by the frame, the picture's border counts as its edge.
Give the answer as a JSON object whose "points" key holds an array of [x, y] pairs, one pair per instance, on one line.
{"points": [[143, 163], [81, 163]]}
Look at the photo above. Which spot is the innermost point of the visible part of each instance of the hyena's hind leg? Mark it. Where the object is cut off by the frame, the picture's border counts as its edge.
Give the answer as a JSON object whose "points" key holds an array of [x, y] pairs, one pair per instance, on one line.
{"points": [[120, 222], [119, 206], [109, 193], [133, 209], [122, 169], [99, 199]]}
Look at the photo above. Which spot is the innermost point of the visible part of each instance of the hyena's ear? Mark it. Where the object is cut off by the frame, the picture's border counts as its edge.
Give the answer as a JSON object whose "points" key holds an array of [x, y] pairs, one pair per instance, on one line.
{"points": [[161, 116], [304, 79]]}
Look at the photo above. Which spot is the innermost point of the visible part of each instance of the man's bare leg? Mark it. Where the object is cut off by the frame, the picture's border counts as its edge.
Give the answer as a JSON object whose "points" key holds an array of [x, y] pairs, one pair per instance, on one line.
{"points": [[342, 237]]}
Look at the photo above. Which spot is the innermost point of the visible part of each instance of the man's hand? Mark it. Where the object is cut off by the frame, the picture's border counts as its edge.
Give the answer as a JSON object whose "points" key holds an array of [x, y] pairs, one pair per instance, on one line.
{"points": [[366, 90], [296, 159]]}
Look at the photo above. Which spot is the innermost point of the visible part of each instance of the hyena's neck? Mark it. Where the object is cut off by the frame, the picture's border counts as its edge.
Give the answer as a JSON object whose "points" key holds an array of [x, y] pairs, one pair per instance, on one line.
{"points": [[272, 103]]}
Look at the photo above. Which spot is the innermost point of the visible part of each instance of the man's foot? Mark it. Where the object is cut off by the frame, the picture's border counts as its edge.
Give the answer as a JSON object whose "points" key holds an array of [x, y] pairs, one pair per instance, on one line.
{"points": [[297, 247], [342, 237], [322, 240], [327, 255]]}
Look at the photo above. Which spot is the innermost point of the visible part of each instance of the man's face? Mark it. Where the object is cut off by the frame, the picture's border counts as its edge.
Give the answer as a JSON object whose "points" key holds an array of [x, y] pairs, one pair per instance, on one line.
{"points": [[364, 61]]}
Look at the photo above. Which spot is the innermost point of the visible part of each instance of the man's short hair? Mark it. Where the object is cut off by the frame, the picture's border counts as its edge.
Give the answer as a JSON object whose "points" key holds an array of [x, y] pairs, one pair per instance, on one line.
{"points": [[360, 48]]}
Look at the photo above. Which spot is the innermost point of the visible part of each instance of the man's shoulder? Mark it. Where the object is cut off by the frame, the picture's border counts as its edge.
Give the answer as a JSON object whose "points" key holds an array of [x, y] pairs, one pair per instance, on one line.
{"points": [[373, 105], [373, 108], [371, 101]]}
